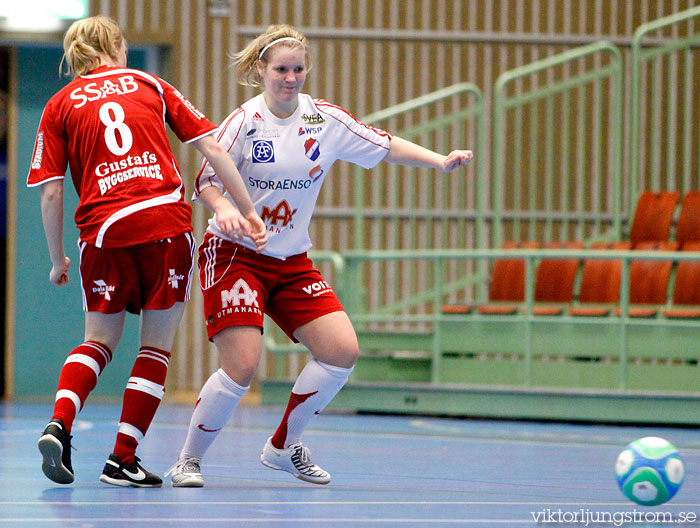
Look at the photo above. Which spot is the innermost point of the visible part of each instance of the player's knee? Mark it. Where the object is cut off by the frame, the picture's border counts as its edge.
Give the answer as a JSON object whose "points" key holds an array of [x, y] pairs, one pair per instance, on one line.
{"points": [[346, 356], [242, 370]]}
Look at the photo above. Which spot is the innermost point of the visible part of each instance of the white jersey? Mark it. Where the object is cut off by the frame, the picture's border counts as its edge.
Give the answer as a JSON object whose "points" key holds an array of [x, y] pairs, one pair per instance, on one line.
{"points": [[283, 163]]}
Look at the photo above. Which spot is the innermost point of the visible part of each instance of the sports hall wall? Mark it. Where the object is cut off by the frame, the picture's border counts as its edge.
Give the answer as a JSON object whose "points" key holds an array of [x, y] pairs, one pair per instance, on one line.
{"points": [[369, 54]]}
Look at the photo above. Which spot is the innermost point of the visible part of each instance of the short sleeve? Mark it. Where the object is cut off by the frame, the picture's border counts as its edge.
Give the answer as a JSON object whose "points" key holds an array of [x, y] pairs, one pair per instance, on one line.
{"points": [[229, 135], [359, 143], [50, 156], [188, 123]]}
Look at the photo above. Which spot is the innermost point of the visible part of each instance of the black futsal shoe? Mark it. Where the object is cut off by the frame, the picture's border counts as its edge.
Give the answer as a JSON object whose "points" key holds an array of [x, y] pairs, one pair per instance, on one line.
{"points": [[54, 446], [133, 475]]}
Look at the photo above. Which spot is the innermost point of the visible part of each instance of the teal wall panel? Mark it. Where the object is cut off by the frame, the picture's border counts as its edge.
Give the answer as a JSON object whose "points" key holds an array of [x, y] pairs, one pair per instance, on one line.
{"points": [[49, 320]]}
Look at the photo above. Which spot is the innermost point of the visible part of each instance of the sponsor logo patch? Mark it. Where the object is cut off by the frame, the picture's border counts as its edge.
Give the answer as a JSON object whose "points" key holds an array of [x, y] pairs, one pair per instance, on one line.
{"points": [[309, 130], [313, 119], [239, 299], [263, 151], [315, 173], [39, 154], [174, 279], [317, 288], [282, 213], [102, 288]]}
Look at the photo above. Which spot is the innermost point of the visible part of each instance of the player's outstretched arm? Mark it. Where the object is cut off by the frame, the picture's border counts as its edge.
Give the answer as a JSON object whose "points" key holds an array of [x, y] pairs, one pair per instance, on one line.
{"points": [[52, 217], [404, 152]]}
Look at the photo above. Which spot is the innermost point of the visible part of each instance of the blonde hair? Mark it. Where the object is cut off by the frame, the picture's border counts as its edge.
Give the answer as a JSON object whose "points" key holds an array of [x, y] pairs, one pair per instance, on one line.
{"points": [[245, 61], [88, 39]]}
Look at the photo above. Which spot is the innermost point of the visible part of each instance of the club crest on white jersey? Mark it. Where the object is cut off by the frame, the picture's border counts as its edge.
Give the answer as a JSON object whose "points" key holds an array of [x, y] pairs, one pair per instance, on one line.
{"points": [[312, 149]]}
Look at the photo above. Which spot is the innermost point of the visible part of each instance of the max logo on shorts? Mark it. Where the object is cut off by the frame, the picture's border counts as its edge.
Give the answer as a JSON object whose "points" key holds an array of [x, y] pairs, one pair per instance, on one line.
{"points": [[239, 295], [103, 289]]}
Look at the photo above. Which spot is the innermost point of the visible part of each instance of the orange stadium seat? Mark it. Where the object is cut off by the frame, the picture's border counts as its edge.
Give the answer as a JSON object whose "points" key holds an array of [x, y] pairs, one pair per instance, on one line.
{"points": [[507, 282], [555, 279], [600, 283], [456, 308], [688, 226], [653, 216], [686, 289], [649, 280]]}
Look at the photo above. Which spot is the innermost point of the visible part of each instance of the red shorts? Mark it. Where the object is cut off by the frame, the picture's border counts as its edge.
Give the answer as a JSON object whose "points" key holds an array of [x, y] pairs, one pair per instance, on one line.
{"points": [[239, 286], [151, 276]]}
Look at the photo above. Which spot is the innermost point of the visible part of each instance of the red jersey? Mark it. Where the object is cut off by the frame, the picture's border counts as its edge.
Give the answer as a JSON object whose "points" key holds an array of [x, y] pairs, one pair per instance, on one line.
{"points": [[109, 128]]}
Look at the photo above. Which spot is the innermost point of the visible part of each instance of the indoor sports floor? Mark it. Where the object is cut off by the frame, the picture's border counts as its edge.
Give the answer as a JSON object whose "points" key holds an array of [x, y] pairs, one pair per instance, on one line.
{"points": [[388, 471]]}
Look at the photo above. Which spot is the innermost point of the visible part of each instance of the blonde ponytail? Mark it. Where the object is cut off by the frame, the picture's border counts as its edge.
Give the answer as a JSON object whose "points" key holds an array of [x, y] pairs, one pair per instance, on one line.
{"points": [[86, 41]]}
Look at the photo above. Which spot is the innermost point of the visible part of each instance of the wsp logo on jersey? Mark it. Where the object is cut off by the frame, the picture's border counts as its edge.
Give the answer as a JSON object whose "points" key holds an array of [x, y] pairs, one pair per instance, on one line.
{"points": [[312, 149], [310, 130], [263, 152]]}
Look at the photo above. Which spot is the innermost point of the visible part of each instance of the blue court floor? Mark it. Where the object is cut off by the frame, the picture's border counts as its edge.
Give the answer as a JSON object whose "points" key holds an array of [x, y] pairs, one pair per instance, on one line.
{"points": [[387, 471]]}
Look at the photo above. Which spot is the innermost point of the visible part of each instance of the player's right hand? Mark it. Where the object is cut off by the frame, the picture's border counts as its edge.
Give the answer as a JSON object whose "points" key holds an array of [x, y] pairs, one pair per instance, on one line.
{"points": [[232, 222], [258, 232], [59, 273]]}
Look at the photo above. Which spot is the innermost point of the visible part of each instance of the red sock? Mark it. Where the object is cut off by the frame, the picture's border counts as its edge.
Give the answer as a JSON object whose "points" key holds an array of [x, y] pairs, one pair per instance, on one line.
{"points": [[315, 387], [143, 393], [278, 439], [78, 378]]}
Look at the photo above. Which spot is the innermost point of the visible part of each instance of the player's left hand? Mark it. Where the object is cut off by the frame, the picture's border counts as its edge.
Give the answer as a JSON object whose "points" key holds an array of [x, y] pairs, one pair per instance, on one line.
{"points": [[456, 158]]}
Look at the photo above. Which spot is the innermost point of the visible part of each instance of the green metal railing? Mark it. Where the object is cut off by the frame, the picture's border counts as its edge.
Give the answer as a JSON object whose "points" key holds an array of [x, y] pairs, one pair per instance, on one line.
{"points": [[613, 332], [552, 135], [443, 133], [433, 316], [664, 149]]}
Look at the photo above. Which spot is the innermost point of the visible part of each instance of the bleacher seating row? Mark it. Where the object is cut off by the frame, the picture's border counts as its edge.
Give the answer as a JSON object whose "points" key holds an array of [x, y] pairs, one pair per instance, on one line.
{"points": [[600, 279]]}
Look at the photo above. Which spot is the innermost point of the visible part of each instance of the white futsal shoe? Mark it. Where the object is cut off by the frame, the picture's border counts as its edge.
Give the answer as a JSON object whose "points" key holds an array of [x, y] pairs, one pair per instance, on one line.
{"points": [[294, 460], [186, 473]]}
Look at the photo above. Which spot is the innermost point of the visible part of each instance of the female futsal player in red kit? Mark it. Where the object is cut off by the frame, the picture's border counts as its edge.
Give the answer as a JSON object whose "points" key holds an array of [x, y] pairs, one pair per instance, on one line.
{"points": [[136, 246]]}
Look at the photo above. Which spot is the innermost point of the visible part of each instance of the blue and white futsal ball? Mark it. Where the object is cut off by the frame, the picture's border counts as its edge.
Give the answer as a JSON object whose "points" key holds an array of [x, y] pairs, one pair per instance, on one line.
{"points": [[649, 471]]}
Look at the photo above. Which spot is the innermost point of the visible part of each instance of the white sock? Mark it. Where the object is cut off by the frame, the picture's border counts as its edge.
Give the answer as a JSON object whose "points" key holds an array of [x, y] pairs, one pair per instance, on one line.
{"points": [[315, 387], [218, 399]]}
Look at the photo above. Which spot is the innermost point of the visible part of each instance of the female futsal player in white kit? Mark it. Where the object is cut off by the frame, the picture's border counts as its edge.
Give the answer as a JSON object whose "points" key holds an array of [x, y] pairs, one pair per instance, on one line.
{"points": [[283, 143]]}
